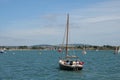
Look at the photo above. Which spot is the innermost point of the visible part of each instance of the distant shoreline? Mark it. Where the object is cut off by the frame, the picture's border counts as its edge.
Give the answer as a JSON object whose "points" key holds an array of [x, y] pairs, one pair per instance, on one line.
{"points": [[54, 47]]}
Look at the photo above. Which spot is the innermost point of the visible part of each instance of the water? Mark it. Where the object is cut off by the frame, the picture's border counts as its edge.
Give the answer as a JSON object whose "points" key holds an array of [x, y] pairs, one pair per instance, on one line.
{"points": [[43, 65]]}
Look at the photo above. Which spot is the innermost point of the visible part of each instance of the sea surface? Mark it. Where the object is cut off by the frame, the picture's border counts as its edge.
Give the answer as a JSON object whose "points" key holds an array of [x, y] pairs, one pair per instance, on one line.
{"points": [[43, 65]]}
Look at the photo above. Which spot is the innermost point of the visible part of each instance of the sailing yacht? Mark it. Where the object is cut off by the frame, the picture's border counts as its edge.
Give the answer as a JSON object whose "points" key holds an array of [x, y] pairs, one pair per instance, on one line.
{"points": [[71, 63]]}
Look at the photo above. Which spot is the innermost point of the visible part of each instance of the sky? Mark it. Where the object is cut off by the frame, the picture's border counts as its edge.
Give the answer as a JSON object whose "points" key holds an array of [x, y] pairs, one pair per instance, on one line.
{"points": [[34, 22]]}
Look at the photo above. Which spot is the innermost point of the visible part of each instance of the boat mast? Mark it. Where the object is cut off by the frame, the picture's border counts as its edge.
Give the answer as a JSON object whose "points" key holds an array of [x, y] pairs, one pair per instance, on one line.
{"points": [[67, 35]]}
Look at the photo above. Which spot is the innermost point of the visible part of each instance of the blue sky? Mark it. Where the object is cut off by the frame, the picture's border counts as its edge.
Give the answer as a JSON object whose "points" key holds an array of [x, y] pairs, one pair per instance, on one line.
{"points": [[32, 22]]}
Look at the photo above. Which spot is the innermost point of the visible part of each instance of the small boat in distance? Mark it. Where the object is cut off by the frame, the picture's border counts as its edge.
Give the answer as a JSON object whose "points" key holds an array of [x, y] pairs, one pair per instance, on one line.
{"points": [[84, 51], [2, 50], [117, 50], [70, 63]]}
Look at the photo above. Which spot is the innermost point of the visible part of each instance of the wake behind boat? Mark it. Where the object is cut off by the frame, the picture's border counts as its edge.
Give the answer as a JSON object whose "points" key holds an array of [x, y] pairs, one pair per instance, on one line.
{"points": [[71, 63]]}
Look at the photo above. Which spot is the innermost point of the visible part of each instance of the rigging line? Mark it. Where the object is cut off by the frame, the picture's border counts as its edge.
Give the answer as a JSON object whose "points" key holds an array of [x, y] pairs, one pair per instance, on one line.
{"points": [[64, 36]]}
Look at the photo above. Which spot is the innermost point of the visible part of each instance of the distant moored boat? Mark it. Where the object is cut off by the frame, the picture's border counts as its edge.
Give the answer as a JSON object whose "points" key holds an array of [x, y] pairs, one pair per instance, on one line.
{"points": [[1, 51], [117, 50]]}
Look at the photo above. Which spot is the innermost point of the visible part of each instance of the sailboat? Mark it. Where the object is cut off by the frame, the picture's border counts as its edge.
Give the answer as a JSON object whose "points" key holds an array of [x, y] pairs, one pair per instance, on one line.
{"points": [[117, 50], [84, 51], [70, 63]]}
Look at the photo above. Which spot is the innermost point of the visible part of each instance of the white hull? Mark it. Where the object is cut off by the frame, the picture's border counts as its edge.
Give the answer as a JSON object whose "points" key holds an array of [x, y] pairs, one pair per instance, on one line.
{"points": [[71, 65]]}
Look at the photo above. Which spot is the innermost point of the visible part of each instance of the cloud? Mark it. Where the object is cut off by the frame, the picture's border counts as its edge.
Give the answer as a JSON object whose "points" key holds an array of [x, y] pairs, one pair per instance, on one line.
{"points": [[101, 19]]}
